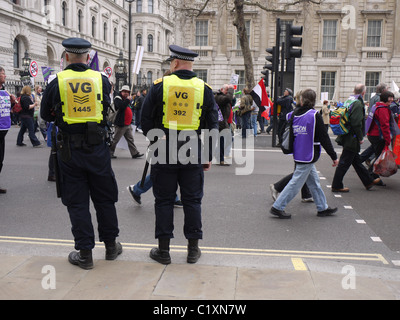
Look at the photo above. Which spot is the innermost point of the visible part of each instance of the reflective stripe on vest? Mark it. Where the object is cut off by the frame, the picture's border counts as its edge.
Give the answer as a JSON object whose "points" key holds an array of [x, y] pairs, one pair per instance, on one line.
{"points": [[81, 96], [183, 102]]}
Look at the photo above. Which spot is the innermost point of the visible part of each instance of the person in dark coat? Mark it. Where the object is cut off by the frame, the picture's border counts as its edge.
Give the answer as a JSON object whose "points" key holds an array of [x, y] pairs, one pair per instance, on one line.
{"points": [[351, 143], [26, 117], [224, 99], [286, 103]]}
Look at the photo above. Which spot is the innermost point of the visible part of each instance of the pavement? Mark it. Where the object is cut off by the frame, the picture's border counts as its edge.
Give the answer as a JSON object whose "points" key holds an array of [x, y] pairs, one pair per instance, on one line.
{"points": [[32, 277]]}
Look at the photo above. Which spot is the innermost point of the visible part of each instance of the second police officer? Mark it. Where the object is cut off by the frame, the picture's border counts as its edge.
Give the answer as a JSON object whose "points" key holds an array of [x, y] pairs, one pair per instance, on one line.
{"points": [[77, 100], [175, 103]]}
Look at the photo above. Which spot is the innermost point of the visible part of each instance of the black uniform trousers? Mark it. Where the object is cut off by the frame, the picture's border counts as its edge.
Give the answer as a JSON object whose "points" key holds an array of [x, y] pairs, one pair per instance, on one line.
{"points": [[88, 174], [3, 134], [165, 178], [378, 144]]}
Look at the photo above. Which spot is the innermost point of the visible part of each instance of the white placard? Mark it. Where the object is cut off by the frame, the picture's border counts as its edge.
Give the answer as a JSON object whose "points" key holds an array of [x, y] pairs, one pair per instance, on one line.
{"points": [[138, 59]]}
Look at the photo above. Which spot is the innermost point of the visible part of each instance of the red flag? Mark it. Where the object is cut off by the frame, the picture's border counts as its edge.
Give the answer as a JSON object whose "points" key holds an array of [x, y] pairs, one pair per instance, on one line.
{"points": [[265, 114], [260, 95], [396, 146]]}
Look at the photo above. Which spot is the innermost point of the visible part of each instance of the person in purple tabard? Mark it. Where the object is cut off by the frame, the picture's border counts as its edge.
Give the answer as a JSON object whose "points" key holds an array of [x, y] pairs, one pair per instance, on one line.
{"points": [[6, 101], [309, 135]]}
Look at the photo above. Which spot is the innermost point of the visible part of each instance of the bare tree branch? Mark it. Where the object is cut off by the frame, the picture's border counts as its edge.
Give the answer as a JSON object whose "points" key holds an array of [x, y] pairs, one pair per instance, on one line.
{"points": [[190, 9]]}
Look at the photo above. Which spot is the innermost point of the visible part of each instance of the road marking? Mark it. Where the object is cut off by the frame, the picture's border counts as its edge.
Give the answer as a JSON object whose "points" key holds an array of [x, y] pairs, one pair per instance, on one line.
{"points": [[376, 239], [299, 265], [348, 207], [396, 263], [216, 250], [361, 221]]}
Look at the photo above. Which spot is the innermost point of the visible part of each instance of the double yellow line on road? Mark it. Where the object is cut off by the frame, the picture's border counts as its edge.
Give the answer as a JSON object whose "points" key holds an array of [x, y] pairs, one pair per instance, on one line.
{"points": [[296, 256]]}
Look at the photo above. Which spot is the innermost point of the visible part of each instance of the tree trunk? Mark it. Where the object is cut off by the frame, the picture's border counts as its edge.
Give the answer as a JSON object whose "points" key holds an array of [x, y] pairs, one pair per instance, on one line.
{"points": [[239, 23]]}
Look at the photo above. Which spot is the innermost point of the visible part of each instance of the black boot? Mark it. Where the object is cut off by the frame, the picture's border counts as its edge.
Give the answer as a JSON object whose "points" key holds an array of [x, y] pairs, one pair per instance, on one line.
{"points": [[113, 249], [82, 258], [194, 252], [161, 254]]}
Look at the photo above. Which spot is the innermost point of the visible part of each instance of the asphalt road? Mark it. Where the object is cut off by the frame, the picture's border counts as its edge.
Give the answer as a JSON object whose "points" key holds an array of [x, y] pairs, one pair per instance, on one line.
{"points": [[238, 228]]}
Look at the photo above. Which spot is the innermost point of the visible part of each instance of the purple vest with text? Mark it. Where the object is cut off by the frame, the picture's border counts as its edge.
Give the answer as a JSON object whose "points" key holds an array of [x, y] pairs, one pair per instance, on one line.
{"points": [[5, 107], [304, 131]]}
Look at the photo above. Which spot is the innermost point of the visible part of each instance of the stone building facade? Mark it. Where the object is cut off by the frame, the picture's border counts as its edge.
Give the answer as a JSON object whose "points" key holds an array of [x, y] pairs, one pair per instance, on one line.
{"points": [[344, 41], [39, 27]]}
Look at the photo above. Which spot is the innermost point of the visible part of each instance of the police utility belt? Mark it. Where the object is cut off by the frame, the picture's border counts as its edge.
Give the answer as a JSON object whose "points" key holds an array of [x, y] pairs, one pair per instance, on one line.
{"points": [[93, 136]]}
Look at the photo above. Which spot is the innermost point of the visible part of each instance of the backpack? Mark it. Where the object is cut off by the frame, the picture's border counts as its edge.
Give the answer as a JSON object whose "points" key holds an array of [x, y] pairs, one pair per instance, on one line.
{"points": [[17, 108], [288, 136], [112, 113], [339, 118]]}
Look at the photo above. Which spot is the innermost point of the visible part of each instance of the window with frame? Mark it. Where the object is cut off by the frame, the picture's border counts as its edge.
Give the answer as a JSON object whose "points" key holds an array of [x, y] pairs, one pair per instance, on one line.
{"points": [[150, 6], [79, 20], [16, 53], [247, 25], [149, 80], [329, 35], [138, 40], [115, 36], [374, 33], [328, 79], [105, 30], [64, 13], [150, 43], [201, 36], [201, 74], [139, 5], [372, 79], [93, 27]]}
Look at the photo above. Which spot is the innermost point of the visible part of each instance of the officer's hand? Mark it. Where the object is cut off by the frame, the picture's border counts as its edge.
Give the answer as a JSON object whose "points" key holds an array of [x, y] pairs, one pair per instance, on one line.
{"points": [[207, 166], [335, 163]]}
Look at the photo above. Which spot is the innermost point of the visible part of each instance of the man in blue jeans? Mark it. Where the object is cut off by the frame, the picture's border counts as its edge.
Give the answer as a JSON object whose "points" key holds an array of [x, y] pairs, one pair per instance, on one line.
{"points": [[310, 133]]}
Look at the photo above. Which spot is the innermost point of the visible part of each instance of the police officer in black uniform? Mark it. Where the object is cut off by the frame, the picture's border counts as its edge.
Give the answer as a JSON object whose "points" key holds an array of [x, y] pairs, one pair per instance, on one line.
{"points": [[175, 103], [78, 100]]}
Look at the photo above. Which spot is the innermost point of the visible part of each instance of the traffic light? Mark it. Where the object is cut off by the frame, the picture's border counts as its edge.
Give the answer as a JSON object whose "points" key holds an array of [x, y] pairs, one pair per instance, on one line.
{"points": [[273, 59], [266, 77], [292, 41]]}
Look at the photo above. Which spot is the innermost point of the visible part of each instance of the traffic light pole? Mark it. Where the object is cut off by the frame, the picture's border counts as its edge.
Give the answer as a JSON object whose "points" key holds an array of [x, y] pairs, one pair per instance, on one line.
{"points": [[276, 84]]}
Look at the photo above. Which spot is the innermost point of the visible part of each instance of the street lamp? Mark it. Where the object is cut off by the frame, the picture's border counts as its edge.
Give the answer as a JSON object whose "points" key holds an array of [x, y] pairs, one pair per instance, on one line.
{"points": [[24, 74], [26, 61], [120, 74], [130, 40]]}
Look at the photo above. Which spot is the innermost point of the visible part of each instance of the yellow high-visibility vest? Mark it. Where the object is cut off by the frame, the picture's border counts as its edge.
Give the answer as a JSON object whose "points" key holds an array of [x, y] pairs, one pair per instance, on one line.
{"points": [[81, 96], [183, 102]]}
